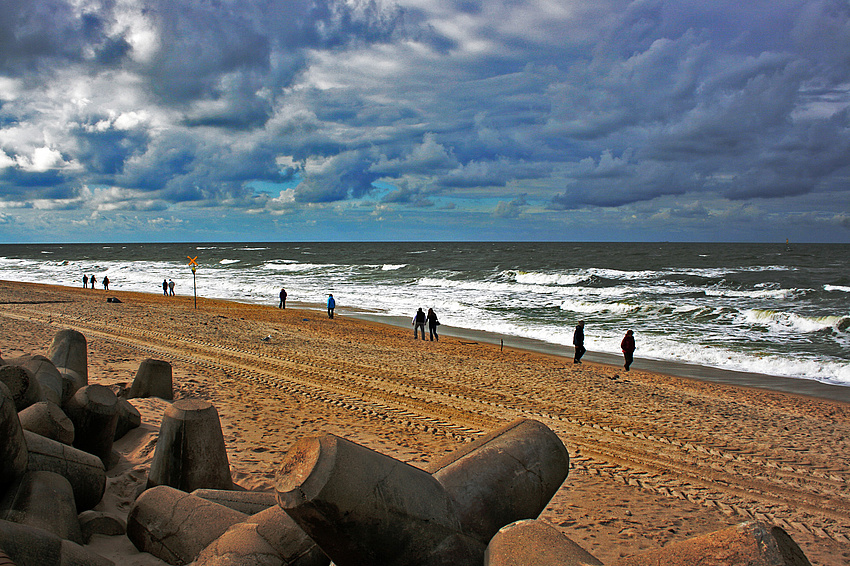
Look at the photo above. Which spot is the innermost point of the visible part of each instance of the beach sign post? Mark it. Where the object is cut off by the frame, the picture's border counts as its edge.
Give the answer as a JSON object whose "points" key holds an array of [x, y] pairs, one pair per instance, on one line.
{"points": [[193, 263]]}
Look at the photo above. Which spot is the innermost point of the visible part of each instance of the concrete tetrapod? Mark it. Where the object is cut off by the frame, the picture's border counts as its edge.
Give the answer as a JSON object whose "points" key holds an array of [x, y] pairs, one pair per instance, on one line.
{"points": [[270, 538], [31, 546], [190, 452], [751, 544], [535, 542], [45, 373], [176, 526], [153, 379], [48, 419], [128, 418], [13, 448], [44, 500], [364, 508], [505, 476], [22, 385], [94, 412], [84, 471], [69, 350], [248, 502]]}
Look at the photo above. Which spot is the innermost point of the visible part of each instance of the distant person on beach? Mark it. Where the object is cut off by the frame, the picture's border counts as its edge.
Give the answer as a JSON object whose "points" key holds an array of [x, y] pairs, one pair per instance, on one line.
{"points": [[282, 304], [93, 281], [105, 283], [85, 281], [171, 287], [433, 323], [578, 342], [331, 306], [165, 287], [628, 346], [419, 322]]}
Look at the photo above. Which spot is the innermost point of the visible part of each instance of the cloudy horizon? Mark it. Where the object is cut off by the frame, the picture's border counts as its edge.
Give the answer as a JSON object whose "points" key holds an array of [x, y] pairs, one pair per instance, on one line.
{"points": [[449, 120]]}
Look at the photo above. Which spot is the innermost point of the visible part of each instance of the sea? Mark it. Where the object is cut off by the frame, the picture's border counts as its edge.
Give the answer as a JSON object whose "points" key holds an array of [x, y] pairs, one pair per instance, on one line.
{"points": [[778, 309]]}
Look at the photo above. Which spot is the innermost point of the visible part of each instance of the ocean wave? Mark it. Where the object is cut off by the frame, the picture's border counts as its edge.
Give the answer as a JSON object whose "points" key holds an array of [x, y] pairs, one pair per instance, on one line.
{"points": [[794, 322], [229, 261], [544, 279], [586, 307], [393, 266], [752, 294], [836, 288]]}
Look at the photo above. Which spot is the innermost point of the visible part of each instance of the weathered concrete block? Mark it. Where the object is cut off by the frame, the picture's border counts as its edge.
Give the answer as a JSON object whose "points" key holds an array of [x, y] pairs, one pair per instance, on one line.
{"points": [[535, 542], [13, 448], [269, 538], [71, 383], [750, 543], [100, 523], [84, 471], [176, 526], [153, 379], [45, 373], [48, 419], [31, 546], [44, 500], [22, 385], [505, 476], [94, 412], [248, 502], [70, 350], [128, 418], [190, 452], [362, 507]]}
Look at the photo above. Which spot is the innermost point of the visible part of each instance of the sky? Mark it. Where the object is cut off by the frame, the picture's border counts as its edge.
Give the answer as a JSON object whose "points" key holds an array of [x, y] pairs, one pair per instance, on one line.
{"points": [[439, 120]]}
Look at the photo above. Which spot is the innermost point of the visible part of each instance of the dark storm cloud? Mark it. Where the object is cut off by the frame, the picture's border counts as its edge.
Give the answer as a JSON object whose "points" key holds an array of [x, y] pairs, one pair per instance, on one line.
{"points": [[602, 104]]}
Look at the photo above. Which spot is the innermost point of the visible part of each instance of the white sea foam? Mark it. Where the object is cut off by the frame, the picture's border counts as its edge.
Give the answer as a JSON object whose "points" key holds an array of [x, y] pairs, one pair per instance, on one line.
{"points": [[229, 261], [393, 266], [836, 288]]}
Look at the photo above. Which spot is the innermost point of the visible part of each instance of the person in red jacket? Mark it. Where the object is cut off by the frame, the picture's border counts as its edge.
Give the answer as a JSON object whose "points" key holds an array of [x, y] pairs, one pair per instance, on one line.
{"points": [[628, 346]]}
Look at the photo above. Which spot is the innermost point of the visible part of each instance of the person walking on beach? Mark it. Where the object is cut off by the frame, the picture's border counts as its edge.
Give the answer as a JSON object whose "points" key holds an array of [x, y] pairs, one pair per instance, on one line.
{"points": [[433, 323], [93, 281], [331, 306], [165, 287], [578, 342], [282, 304], [419, 322], [171, 287], [85, 281], [105, 283], [628, 346]]}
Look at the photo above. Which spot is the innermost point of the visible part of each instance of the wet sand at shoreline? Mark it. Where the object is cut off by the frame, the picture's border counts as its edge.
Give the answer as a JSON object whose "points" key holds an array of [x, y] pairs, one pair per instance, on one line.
{"points": [[654, 458]]}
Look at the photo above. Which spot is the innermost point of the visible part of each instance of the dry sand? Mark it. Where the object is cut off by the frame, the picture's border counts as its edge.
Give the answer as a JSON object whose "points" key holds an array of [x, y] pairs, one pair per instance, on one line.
{"points": [[654, 458]]}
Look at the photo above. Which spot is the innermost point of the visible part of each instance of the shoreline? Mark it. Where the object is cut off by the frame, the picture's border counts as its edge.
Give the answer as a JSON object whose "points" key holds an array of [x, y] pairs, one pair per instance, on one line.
{"points": [[792, 385], [750, 380]]}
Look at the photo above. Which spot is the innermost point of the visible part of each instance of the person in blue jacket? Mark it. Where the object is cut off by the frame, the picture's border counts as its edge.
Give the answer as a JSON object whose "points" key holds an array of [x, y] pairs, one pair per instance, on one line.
{"points": [[331, 306]]}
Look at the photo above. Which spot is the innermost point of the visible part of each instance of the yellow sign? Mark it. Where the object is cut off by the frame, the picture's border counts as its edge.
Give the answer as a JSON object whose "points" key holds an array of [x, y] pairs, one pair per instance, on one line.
{"points": [[193, 260]]}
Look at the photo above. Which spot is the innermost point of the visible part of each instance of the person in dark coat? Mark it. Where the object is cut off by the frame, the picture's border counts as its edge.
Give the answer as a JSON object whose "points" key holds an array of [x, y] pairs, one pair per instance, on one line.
{"points": [[105, 283], [578, 342], [419, 322], [85, 281], [433, 323], [165, 287], [92, 281], [282, 304], [331, 306], [628, 346]]}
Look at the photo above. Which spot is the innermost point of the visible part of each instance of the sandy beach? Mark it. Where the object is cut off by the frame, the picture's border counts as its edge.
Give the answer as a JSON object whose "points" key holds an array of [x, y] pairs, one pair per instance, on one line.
{"points": [[654, 458]]}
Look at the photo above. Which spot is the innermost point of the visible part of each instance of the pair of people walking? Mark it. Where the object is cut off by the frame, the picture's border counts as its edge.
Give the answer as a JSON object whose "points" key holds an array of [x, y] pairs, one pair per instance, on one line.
{"points": [[627, 345], [168, 287], [419, 321]]}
